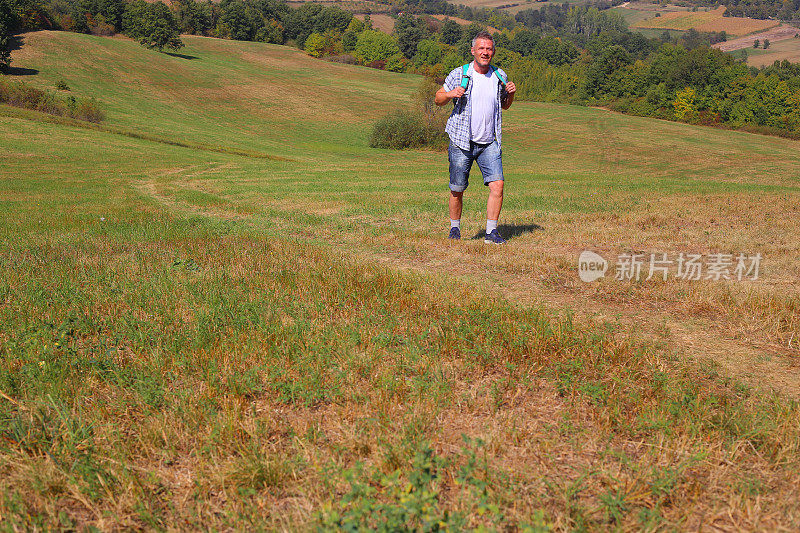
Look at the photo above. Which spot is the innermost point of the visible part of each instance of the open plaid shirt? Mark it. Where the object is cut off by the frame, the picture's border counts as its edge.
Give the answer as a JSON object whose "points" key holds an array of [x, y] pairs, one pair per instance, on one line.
{"points": [[458, 125]]}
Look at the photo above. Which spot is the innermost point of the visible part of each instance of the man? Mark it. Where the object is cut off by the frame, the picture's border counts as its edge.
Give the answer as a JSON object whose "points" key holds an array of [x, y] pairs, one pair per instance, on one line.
{"points": [[475, 131]]}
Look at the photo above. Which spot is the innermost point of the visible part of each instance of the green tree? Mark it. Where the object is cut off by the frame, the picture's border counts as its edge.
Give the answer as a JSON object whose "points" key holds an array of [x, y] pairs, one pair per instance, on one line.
{"points": [[451, 32], [357, 25], [152, 25], [315, 45], [350, 35], [373, 45], [766, 44], [396, 63], [428, 52], [409, 33], [271, 32], [756, 43], [193, 17], [524, 42], [554, 51], [236, 21], [451, 61], [685, 104], [7, 23], [604, 72], [332, 18]]}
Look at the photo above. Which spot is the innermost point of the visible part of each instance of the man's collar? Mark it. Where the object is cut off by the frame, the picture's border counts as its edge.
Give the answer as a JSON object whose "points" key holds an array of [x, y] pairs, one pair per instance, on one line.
{"points": [[475, 71]]}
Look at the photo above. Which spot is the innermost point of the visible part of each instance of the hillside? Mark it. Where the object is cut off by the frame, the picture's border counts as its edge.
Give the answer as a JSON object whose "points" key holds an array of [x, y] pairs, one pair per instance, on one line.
{"points": [[265, 327]]}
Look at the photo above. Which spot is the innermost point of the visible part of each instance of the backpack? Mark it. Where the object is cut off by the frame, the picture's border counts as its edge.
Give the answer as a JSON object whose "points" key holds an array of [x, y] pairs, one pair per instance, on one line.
{"points": [[465, 77]]}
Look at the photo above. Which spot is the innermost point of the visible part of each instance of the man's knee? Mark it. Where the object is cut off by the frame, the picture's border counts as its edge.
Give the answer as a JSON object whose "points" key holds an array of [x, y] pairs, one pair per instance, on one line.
{"points": [[496, 187], [457, 194]]}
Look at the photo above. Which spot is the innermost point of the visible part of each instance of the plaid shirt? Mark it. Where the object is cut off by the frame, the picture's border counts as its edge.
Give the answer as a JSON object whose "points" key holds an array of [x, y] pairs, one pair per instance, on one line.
{"points": [[458, 125]]}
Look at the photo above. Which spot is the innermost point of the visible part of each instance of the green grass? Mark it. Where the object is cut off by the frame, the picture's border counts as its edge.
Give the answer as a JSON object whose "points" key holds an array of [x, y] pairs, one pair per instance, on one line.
{"points": [[222, 310]]}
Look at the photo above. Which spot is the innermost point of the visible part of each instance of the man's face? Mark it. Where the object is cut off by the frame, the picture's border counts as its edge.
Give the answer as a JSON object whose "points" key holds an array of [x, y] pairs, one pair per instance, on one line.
{"points": [[483, 52]]}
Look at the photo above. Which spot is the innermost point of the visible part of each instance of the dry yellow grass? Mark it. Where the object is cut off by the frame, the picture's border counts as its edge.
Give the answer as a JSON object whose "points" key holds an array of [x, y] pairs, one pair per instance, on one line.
{"points": [[712, 20], [786, 49], [381, 22]]}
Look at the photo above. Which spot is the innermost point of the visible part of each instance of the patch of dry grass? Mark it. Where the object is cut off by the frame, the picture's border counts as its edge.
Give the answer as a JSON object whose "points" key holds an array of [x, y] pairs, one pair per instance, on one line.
{"points": [[711, 20]]}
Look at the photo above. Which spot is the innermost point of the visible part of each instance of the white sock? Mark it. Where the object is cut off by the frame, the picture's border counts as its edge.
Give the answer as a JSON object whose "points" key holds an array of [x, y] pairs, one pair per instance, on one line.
{"points": [[455, 223], [491, 225]]}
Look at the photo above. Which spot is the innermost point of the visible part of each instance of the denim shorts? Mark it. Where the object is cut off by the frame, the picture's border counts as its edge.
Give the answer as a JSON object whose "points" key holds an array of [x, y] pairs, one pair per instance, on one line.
{"points": [[489, 161]]}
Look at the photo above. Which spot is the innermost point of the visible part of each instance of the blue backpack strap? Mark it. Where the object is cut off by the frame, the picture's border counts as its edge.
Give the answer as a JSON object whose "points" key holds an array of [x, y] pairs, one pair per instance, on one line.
{"points": [[495, 70], [465, 76]]}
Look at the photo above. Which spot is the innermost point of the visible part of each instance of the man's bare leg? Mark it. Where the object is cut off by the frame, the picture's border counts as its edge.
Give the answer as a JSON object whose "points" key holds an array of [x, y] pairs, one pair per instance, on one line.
{"points": [[495, 202], [456, 203], [493, 206]]}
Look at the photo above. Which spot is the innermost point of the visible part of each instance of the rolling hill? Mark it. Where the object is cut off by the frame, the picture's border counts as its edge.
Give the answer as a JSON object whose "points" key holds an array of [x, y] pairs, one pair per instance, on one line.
{"points": [[221, 309]]}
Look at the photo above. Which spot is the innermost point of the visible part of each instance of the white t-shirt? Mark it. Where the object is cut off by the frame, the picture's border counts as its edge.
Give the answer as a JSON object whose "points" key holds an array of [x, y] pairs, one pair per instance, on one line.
{"points": [[484, 106]]}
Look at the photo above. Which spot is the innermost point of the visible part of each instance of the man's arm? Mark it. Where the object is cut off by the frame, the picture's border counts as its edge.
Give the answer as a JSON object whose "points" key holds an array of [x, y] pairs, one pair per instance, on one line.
{"points": [[510, 90], [442, 96]]}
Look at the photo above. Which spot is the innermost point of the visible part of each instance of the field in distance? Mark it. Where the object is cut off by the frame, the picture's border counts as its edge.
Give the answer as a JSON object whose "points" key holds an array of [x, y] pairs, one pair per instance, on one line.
{"points": [[704, 20], [788, 49], [220, 309]]}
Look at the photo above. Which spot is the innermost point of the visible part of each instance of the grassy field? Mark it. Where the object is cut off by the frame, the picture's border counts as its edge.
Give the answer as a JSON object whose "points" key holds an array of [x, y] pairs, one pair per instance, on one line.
{"points": [[709, 20], [788, 49], [381, 22], [265, 328], [632, 16]]}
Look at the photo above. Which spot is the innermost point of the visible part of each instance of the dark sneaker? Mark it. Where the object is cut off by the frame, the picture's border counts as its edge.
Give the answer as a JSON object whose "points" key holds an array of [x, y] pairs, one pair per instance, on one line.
{"points": [[494, 238], [455, 233]]}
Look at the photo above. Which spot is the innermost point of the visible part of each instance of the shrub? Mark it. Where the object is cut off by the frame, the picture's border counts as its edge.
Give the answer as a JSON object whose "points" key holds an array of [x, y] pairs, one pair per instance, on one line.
{"points": [[88, 110], [399, 129], [347, 59], [62, 85], [423, 125], [25, 96]]}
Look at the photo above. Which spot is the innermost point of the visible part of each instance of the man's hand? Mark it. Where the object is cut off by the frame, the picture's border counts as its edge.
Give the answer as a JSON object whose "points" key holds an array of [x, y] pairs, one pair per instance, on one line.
{"points": [[509, 99], [442, 96], [458, 92]]}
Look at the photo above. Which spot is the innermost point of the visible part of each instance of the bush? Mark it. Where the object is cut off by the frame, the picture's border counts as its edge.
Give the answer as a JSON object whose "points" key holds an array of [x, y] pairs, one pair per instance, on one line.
{"points": [[399, 129], [88, 110], [423, 125], [25, 96], [347, 59]]}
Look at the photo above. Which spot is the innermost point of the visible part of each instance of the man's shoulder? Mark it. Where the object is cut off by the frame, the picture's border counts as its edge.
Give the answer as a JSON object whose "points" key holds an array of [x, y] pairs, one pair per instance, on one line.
{"points": [[456, 72]]}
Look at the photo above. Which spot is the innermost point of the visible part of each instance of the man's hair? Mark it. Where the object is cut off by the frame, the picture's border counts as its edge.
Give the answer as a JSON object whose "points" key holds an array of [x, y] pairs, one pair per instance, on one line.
{"points": [[483, 35]]}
